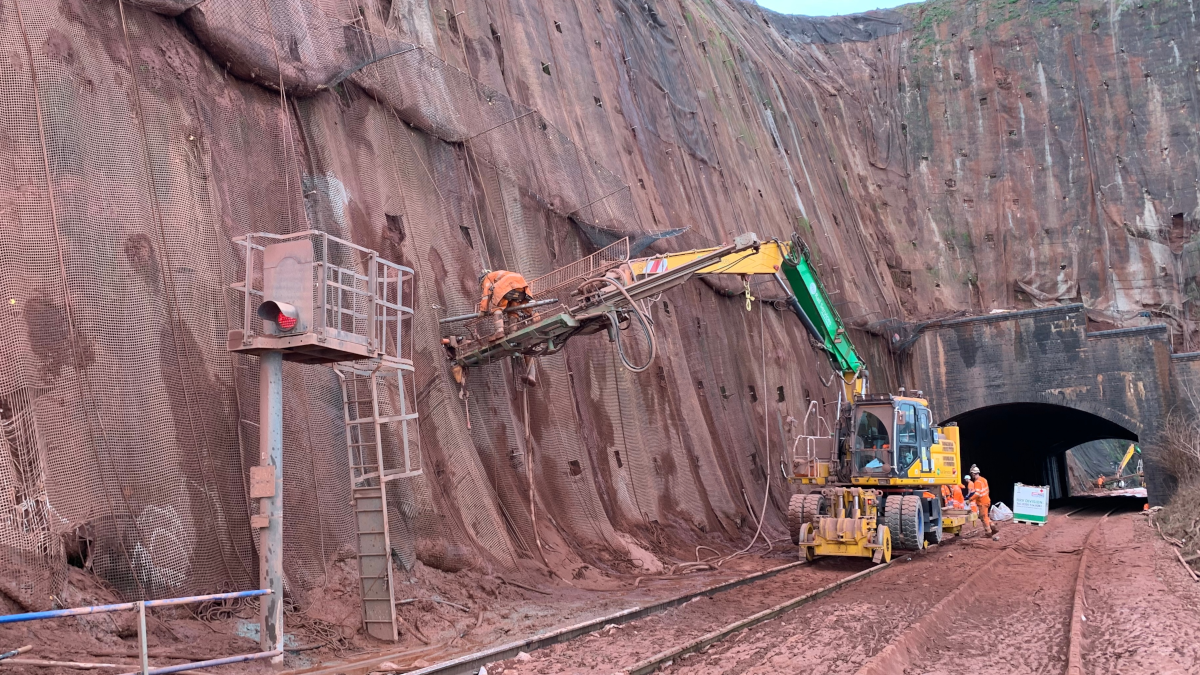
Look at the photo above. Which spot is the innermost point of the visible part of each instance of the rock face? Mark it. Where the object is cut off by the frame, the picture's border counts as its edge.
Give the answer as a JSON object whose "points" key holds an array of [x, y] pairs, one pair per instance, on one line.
{"points": [[947, 157]]}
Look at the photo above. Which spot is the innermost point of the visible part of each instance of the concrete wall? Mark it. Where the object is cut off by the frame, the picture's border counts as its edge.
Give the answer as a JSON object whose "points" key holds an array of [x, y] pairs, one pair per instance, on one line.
{"points": [[1048, 356]]}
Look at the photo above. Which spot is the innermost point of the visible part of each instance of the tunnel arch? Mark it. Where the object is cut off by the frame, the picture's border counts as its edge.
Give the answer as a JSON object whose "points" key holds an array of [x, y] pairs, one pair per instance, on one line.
{"points": [[1027, 441]]}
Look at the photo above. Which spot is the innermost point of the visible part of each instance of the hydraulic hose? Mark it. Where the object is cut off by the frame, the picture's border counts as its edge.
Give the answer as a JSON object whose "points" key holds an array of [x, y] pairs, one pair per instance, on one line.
{"points": [[641, 319]]}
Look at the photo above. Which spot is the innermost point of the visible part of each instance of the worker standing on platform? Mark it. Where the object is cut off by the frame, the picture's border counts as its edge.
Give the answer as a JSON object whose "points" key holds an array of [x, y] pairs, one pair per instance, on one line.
{"points": [[979, 494], [499, 291]]}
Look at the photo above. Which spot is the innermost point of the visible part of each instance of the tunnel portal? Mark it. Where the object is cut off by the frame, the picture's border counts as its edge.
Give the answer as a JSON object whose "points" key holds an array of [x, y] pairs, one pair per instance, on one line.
{"points": [[1027, 442], [1028, 385]]}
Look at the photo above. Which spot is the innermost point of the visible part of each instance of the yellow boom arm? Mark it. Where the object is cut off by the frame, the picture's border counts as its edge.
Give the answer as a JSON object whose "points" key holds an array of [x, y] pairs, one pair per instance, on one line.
{"points": [[816, 312], [1125, 460], [766, 260]]}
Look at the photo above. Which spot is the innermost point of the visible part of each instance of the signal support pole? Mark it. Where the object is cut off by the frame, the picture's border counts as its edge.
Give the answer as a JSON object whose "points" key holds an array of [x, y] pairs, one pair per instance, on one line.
{"points": [[292, 298], [270, 444]]}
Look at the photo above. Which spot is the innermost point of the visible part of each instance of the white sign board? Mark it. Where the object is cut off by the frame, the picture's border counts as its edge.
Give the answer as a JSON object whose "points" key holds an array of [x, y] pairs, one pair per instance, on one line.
{"points": [[1031, 503]]}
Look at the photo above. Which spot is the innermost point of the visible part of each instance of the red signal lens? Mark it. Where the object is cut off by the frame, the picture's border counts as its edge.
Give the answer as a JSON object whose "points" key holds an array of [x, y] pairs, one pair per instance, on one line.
{"points": [[285, 322]]}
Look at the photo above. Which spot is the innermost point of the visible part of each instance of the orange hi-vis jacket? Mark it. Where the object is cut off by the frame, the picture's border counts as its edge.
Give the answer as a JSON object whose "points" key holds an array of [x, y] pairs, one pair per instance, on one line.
{"points": [[981, 494], [496, 285], [953, 497]]}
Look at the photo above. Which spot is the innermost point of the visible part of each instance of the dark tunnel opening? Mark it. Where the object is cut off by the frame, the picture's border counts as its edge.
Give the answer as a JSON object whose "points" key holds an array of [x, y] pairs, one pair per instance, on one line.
{"points": [[1027, 443]]}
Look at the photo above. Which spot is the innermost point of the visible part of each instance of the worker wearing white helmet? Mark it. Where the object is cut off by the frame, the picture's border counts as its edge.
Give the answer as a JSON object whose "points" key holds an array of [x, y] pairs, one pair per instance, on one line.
{"points": [[980, 495]]}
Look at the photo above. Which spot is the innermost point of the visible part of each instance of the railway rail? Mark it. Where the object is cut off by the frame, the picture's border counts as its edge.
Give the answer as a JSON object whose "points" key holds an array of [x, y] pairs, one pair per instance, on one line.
{"points": [[915, 644], [470, 663], [911, 647]]}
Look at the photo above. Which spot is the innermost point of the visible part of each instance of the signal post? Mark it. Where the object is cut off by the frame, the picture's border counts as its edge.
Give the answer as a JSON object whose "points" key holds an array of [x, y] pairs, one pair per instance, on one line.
{"points": [[309, 298]]}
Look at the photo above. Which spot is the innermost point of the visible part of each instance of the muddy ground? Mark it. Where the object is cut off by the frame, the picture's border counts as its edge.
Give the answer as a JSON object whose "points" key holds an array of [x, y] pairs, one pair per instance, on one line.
{"points": [[1142, 614], [456, 613]]}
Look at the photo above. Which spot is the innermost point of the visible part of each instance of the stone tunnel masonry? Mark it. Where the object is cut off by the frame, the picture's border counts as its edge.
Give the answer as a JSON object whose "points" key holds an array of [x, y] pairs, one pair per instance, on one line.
{"points": [[1047, 356]]}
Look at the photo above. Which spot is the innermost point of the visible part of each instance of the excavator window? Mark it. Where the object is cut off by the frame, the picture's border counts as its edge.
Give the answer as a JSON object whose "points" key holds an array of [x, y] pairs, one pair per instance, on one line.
{"points": [[925, 438], [908, 448], [872, 443]]}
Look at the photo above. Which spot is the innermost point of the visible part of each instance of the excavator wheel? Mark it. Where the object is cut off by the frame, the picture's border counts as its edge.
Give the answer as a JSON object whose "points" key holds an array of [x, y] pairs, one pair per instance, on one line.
{"points": [[806, 534], [891, 518], [813, 505], [883, 535], [912, 522], [933, 532], [795, 516]]}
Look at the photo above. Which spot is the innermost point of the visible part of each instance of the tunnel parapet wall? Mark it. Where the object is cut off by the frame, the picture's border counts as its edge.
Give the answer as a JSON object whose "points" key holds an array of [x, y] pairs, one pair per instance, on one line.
{"points": [[1048, 356], [1185, 381]]}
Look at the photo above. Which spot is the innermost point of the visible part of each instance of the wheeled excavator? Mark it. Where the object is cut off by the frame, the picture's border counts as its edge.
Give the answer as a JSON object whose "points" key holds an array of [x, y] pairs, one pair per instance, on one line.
{"points": [[874, 477]]}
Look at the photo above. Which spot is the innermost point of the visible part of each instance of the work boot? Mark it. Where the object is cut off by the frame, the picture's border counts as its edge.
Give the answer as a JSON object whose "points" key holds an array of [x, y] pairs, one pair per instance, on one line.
{"points": [[497, 325]]}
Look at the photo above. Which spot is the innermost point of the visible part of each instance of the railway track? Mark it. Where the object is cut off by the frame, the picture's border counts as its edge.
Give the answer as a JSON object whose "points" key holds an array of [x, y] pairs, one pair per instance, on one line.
{"points": [[691, 631], [920, 642], [470, 663], [668, 657], [982, 588]]}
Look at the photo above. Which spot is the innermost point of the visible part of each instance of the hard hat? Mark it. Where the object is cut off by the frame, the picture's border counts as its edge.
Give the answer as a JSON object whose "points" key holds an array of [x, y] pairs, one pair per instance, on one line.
{"points": [[482, 275], [974, 469]]}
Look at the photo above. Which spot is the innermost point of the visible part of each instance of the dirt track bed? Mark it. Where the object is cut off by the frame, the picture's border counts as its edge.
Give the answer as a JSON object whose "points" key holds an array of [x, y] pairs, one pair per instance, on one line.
{"points": [[620, 648], [1144, 610], [1017, 618], [1141, 612], [1142, 615]]}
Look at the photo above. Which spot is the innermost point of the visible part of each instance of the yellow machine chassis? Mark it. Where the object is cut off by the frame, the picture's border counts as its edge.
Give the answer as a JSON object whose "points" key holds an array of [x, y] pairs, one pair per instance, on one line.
{"points": [[852, 530], [954, 521]]}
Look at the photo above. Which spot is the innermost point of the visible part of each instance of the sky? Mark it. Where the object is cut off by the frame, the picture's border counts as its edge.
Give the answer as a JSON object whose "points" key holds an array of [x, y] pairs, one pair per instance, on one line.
{"points": [[829, 7]]}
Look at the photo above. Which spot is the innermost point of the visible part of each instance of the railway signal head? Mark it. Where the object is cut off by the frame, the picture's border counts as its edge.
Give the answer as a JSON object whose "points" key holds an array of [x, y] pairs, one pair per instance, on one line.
{"points": [[289, 286], [284, 317]]}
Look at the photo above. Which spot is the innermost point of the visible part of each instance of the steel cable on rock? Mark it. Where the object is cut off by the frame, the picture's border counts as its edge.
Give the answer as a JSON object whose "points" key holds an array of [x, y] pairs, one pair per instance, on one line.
{"points": [[717, 562]]}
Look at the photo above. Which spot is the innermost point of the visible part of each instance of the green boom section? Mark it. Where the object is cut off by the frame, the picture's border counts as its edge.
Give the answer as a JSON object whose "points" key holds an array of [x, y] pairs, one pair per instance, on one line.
{"points": [[815, 303]]}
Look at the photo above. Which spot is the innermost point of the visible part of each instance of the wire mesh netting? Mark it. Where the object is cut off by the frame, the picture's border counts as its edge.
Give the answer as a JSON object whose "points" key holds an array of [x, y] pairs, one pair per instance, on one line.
{"points": [[135, 160]]}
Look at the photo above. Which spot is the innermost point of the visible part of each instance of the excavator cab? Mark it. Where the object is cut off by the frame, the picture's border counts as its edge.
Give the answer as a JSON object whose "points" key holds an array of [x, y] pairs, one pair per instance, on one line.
{"points": [[891, 440]]}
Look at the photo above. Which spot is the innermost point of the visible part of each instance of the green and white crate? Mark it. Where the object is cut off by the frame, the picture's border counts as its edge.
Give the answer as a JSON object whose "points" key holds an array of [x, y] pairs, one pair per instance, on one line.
{"points": [[1031, 503]]}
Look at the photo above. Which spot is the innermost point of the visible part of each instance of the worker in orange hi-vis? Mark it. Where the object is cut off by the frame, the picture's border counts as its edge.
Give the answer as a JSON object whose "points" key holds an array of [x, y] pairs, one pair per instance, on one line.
{"points": [[966, 487], [979, 494], [502, 289], [499, 291], [952, 497]]}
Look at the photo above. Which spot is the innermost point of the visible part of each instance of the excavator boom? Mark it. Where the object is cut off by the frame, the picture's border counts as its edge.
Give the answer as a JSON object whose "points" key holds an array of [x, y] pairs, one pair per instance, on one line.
{"points": [[813, 299], [789, 264], [786, 262]]}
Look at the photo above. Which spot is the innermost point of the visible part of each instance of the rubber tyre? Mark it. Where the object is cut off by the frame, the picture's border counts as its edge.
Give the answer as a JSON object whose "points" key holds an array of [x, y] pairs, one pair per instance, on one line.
{"points": [[933, 531], [814, 504], [795, 516], [891, 518], [884, 536], [912, 523]]}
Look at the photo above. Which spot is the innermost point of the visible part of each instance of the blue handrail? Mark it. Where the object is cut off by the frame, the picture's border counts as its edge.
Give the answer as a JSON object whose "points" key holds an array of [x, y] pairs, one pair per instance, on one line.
{"points": [[101, 609]]}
